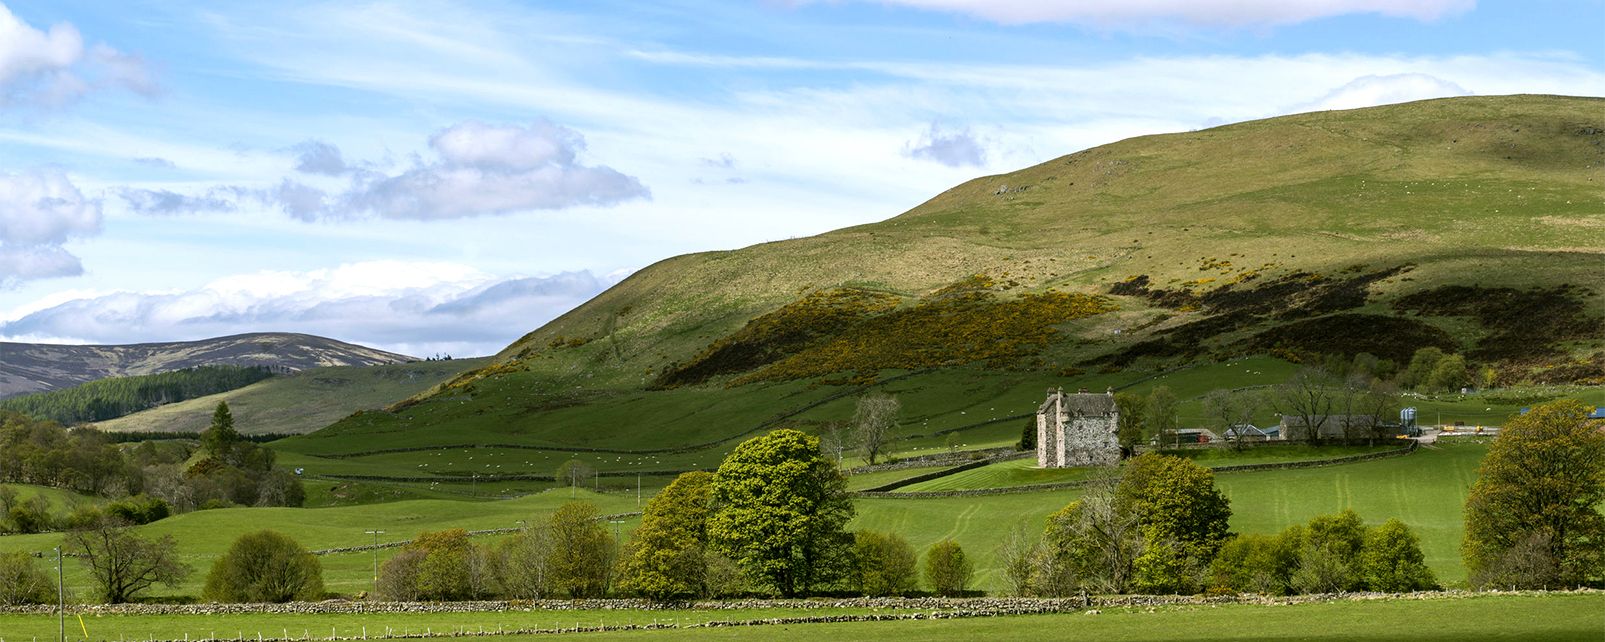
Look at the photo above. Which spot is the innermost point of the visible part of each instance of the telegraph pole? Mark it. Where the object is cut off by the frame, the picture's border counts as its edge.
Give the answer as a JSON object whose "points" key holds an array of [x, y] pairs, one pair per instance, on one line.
{"points": [[61, 596], [375, 533]]}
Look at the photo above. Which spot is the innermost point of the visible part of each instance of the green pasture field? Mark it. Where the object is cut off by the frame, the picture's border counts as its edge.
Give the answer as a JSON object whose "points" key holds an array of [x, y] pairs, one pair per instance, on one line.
{"points": [[864, 481], [1426, 490], [1022, 472], [972, 404], [61, 501], [1548, 618], [1543, 618], [204, 535]]}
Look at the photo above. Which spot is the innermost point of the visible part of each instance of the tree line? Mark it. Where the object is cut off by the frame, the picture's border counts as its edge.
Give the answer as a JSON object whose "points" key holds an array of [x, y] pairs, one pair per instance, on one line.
{"points": [[105, 399], [229, 471]]}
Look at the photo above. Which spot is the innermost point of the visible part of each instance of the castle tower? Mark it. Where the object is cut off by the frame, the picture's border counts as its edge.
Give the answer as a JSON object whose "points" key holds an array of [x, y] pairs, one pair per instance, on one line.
{"points": [[1078, 429]]}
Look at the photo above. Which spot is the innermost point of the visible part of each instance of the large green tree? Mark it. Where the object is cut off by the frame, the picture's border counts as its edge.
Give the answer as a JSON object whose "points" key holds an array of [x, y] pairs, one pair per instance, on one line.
{"points": [[265, 566], [668, 559], [1532, 517], [1182, 517], [781, 513], [582, 551]]}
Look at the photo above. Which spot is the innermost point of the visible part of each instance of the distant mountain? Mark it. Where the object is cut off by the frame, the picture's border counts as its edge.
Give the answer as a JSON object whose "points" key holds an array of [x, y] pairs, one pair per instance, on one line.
{"points": [[35, 367]]}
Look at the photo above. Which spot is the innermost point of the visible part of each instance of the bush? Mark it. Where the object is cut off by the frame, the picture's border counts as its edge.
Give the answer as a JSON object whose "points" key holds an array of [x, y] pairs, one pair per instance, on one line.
{"points": [[21, 582], [947, 570], [31, 515], [440, 565], [1333, 553], [139, 509], [1392, 560], [886, 564], [265, 566]]}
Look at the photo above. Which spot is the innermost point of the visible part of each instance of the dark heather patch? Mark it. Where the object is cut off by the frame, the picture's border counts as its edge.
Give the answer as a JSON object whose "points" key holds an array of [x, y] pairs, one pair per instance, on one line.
{"points": [[1387, 337]]}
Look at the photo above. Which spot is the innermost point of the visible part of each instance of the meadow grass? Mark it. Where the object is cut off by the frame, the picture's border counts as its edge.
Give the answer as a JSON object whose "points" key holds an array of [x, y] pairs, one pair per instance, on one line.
{"points": [[204, 535], [1552, 616], [1548, 618], [1426, 490]]}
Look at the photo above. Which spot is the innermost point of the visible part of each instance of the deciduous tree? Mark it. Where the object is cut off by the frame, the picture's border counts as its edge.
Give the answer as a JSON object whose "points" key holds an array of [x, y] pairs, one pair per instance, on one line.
{"points": [[669, 556], [21, 581], [781, 511], [124, 564], [1537, 493], [886, 563], [265, 566], [948, 570], [873, 420], [582, 551]]}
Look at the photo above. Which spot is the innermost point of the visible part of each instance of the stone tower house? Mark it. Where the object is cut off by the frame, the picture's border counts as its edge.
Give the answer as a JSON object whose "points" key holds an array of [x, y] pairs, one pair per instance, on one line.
{"points": [[1078, 430]]}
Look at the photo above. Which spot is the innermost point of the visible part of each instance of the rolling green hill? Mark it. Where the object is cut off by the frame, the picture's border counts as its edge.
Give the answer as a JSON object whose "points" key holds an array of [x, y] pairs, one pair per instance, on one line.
{"points": [[300, 402], [1472, 224]]}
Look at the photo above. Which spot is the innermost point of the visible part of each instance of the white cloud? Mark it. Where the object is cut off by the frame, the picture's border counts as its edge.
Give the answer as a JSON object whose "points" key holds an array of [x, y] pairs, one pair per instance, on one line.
{"points": [[407, 307], [480, 170], [951, 148], [318, 157], [1211, 13], [39, 212], [52, 68], [1367, 91], [493, 169]]}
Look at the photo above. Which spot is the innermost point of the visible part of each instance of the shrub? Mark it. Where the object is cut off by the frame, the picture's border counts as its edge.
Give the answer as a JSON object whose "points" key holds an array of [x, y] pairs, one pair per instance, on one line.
{"points": [[1392, 560], [947, 570], [21, 582], [31, 515], [440, 565], [886, 564], [139, 509], [265, 566]]}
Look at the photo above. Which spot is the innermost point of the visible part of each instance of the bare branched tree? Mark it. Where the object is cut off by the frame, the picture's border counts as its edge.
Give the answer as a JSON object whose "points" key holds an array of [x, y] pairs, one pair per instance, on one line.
{"points": [[873, 421], [124, 564], [1308, 397], [1230, 410]]}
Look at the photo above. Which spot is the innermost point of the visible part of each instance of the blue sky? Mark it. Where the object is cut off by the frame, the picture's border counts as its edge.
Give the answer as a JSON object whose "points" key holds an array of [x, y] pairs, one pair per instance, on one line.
{"points": [[444, 176]]}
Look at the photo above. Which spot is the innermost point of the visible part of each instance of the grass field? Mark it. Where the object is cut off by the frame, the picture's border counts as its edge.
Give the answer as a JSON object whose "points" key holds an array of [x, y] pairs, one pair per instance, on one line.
{"points": [[972, 404], [1553, 617], [1426, 490], [300, 402], [204, 535], [1022, 472], [61, 501], [1557, 618]]}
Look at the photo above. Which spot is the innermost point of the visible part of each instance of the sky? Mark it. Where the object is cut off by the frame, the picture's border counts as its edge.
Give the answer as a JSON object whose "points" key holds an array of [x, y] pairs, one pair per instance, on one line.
{"points": [[437, 177]]}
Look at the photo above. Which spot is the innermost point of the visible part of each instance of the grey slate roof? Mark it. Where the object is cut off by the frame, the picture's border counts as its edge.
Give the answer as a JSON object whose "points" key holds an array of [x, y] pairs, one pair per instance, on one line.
{"points": [[1083, 404]]}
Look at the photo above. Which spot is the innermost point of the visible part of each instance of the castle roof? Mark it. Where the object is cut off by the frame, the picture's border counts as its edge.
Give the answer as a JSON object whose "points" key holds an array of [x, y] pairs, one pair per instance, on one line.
{"points": [[1082, 404]]}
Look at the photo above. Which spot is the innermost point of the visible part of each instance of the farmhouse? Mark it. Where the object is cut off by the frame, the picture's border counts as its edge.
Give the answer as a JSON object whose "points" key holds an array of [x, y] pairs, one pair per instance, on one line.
{"points": [[1078, 430], [1294, 428]]}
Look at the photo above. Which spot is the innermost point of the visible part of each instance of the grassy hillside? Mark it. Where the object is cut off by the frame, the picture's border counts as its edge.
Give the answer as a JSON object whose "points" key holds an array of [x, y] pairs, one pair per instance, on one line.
{"points": [[1471, 224], [300, 402]]}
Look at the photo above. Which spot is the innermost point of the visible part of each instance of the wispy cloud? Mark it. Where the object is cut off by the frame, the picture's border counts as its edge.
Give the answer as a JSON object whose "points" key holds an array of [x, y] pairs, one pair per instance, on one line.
{"points": [[1210, 13], [408, 307]]}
